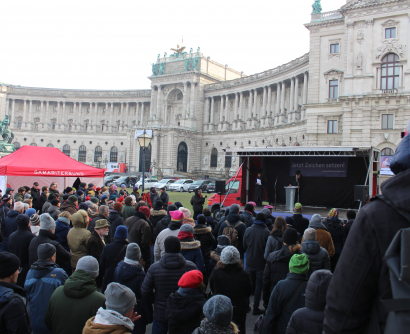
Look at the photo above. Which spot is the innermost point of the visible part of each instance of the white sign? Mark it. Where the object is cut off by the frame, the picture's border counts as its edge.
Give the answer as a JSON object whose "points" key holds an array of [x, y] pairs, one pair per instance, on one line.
{"points": [[140, 132]]}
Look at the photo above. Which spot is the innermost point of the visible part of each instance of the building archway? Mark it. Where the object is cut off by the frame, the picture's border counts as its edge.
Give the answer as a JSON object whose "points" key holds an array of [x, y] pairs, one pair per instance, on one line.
{"points": [[173, 109], [147, 159], [182, 162], [214, 158]]}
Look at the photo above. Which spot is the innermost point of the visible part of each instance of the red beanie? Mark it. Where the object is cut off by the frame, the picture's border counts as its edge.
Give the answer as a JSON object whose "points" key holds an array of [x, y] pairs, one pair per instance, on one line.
{"points": [[191, 279], [145, 211], [117, 206], [121, 199]]}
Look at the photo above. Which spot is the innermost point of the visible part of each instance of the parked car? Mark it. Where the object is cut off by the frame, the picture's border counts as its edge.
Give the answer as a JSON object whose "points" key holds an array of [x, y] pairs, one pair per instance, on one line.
{"points": [[164, 183], [202, 184], [181, 185], [147, 184], [129, 181], [210, 188], [110, 179]]}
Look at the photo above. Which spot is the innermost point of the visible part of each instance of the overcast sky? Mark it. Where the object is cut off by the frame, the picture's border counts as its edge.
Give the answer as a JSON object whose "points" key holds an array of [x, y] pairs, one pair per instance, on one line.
{"points": [[101, 44]]}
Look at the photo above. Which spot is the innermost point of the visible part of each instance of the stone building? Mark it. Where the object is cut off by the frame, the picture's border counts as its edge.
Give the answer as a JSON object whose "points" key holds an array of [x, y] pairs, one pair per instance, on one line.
{"points": [[351, 89]]}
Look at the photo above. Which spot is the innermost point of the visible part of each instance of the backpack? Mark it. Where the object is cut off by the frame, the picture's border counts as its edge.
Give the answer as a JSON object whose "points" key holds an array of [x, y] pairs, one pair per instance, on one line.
{"points": [[397, 259], [232, 233]]}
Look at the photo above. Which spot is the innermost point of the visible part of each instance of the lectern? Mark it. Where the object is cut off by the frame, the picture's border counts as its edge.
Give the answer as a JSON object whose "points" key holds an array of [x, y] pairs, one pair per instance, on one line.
{"points": [[290, 198]]}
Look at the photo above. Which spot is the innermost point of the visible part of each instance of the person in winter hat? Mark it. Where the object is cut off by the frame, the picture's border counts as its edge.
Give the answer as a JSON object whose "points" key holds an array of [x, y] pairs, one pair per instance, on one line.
{"points": [[42, 280], [318, 256], [191, 248], [297, 221], [118, 316], [203, 234], [130, 272], [115, 218], [335, 227], [184, 307], [322, 234], [309, 319], [70, 205], [174, 226], [231, 280], [128, 207], [223, 241], [269, 221], [157, 213], [163, 277], [72, 304], [35, 224], [187, 216], [275, 240], [218, 313], [78, 236]]}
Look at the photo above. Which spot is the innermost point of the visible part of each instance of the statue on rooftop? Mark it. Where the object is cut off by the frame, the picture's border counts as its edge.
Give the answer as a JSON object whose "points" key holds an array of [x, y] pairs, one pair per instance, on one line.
{"points": [[6, 136], [179, 50], [317, 7]]}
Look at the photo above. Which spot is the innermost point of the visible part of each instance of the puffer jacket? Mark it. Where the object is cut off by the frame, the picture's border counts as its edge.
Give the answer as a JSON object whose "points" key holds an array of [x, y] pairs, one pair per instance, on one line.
{"points": [[62, 229], [156, 216], [163, 277], [309, 320], [78, 237], [70, 208], [191, 251], [116, 220], [274, 243], [318, 256], [162, 225], [277, 268], [8, 227], [208, 327], [204, 235], [54, 211], [254, 243]]}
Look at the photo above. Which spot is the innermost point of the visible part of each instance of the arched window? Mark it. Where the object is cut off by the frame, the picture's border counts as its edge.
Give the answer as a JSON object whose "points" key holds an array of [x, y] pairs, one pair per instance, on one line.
{"points": [[214, 157], [50, 145], [82, 153], [182, 162], [387, 152], [147, 158], [16, 145], [66, 149], [390, 72], [114, 154], [97, 153], [33, 144]]}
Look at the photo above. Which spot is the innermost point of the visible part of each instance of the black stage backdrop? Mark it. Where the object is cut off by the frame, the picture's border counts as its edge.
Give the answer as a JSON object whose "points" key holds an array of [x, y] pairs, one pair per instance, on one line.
{"points": [[319, 191]]}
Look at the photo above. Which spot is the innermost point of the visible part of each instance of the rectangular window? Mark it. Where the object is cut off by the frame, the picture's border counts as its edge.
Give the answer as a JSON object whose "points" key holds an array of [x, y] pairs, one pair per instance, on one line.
{"points": [[390, 33], [334, 48], [387, 121], [19, 123], [332, 126], [53, 125], [333, 89], [228, 160]]}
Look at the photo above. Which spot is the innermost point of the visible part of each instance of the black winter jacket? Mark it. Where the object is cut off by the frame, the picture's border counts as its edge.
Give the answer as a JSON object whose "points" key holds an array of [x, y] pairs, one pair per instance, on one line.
{"points": [[110, 237], [164, 198], [163, 277], [197, 202], [277, 268], [41, 202], [204, 234], [47, 237], [14, 317], [19, 245], [156, 216], [254, 243], [111, 255], [184, 310], [162, 225], [318, 256], [35, 195], [274, 243], [277, 317], [235, 221], [298, 222], [140, 232], [335, 229], [309, 320], [116, 220]]}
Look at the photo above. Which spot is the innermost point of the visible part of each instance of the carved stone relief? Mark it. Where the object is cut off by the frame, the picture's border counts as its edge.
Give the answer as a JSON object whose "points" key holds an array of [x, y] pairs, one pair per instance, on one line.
{"points": [[360, 36], [390, 46]]}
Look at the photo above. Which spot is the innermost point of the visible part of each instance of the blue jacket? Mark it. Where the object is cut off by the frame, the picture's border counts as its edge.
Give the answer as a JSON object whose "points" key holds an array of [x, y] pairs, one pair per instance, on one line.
{"points": [[132, 277], [191, 251], [8, 227], [61, 232], [42, 279]]}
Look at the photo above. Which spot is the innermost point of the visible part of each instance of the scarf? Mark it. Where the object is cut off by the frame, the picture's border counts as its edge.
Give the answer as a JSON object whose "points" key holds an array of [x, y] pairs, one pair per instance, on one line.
{"points": [[64, 220], [182, 235], [132, 262], [110, 317]]}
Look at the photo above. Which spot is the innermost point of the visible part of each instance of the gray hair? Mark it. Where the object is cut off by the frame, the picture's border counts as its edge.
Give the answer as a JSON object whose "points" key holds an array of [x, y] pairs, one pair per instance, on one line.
{"points": [[18, 206], [103, 209], [26, 206]]}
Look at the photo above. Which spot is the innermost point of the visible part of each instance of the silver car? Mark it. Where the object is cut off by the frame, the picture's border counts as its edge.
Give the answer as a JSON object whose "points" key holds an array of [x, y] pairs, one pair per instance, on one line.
{"points": [[180, 185], [166, 183]]}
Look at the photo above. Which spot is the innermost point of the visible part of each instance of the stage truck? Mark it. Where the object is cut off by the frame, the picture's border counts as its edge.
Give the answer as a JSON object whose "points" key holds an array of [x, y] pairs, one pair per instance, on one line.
{"points": [[331, 174]]}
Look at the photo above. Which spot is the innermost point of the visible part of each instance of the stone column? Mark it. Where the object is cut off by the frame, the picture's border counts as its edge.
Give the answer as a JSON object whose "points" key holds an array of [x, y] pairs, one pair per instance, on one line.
{"points": [[126, 119], [111, 114], [221, 111], [42, 113], [47, 116], [206, 111], [250, 102], [192, 100], [80, 119], [255, 103], [278, 95], [151, 109], [211, 121], [24, 111], [305, 90], [268, 106], [158, 109], [96, 116], [122, 116], [30, 117], [185, 100], [296, 95], [282, 99], [226, 108], [241, 105], [142, 112], [13, 103], [291, 95], [235, 107], [262, 113]]}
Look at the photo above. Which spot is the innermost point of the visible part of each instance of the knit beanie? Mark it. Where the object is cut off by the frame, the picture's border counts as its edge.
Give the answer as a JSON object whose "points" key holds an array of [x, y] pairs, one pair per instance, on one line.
{"points": [[178, 205], [172, 245], [202, 220], [133, 252], [117, 206], [30, 212], [290, 237], [191, 279], [9, 264], [94, 200], [72, 199], [83, 206], [249, 207], [266, 212], [45, 251], [310, 234], [34, 219], [171, 207], [176, 216], [218, 310], [298, 206], [187, 228], [47, 222], [158, 205], [145, 211], [187, 213], [119, 298], [89, 264], [261, 216], [299, 264], [234, 208], [113, 198], [121, 232], [27, 196], [230, 255], [316, 218], [22, 220], [121, 199], [79, 193], [224, 241]]}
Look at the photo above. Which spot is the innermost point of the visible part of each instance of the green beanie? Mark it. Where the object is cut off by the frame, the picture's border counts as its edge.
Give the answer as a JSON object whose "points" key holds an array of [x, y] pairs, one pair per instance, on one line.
{"points": [[299, 264]]}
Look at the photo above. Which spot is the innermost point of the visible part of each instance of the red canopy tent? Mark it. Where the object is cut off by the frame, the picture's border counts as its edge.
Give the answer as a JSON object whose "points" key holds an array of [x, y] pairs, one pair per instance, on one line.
{"points": [[45, 165]]}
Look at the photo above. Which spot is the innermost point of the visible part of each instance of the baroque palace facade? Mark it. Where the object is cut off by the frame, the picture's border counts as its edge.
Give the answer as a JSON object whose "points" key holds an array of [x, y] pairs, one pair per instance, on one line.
{"points": [[351, 89]]}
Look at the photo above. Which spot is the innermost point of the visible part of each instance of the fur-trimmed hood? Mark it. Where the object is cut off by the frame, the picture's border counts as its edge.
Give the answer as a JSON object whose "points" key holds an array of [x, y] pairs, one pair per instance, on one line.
{"points": [[188, 221], [202, 229], [190, 244], [158, 212]]}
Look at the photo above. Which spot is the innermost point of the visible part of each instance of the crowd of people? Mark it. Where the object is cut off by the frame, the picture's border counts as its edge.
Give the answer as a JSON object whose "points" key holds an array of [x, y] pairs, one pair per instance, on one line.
{"points": [[93, 260]]}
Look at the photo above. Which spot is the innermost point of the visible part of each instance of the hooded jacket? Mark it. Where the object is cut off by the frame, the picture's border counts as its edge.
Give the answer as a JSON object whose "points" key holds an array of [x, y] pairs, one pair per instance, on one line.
{"points": [[72, 304], [235, 221], [42, 279], [156, 216], [274, 243], [204, 235], [139, 231], [54, 211], [154, 198], [78, 236], [164, 197], [254, 243], [42, 201], [324, 237], [197, 201], [318, 256], [116, 324], [69, 207], [116, 220], [8, 227], [335, 228], [35, 195], [163, 277], [62, 229], [309, 320], [14, 317], [191, 251]]}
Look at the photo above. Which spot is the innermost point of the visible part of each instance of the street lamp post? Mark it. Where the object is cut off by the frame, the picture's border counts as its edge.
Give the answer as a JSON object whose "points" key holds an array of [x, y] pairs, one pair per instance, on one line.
{"points": [[144, 141], [99, 162]]}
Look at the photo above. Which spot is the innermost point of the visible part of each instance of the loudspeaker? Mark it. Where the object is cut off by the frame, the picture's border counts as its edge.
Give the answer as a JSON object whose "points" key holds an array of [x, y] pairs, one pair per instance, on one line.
{"points": [[361, 193], [220, 187]]}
